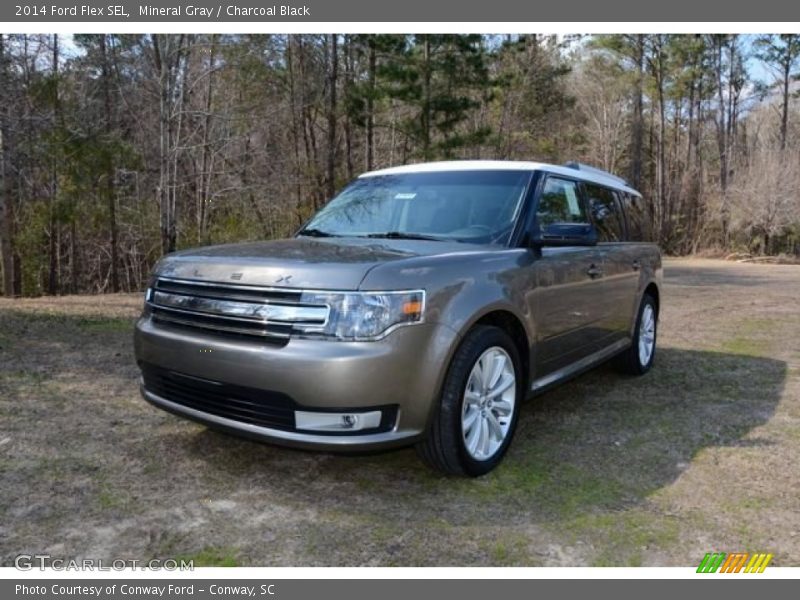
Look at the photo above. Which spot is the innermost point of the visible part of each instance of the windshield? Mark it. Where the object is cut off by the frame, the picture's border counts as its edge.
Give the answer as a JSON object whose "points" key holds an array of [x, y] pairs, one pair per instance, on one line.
{"points": [[468, 206]]}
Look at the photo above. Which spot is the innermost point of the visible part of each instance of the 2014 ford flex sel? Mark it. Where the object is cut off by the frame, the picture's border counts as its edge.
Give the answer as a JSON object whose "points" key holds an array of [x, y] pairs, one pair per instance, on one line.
{"points": [[420, 306]]}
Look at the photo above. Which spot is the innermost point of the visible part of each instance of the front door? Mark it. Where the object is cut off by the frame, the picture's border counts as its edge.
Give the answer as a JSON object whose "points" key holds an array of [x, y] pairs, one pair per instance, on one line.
{"points": [[566, 279]]}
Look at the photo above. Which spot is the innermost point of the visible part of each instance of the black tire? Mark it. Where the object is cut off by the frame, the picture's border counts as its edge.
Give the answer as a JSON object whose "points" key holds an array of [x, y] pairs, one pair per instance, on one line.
{"points": [[630, 362], [444, 448]]}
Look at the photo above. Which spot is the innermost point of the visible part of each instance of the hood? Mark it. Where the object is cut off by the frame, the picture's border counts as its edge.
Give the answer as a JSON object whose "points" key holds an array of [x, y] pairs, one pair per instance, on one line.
{"points": [[310, 263]]}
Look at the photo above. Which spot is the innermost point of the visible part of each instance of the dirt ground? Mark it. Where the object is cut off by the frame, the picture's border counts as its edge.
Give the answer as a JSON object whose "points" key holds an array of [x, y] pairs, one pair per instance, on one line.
{"points": [[699, 455]]}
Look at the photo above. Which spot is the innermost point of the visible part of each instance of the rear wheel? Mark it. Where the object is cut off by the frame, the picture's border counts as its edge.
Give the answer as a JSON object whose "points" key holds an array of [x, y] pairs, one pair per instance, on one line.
{"points": [[477, 413], [638, 359]]}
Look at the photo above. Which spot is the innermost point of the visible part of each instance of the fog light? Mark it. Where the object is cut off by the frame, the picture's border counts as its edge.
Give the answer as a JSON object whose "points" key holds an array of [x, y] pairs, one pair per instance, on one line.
{"points": [[319, 421]]}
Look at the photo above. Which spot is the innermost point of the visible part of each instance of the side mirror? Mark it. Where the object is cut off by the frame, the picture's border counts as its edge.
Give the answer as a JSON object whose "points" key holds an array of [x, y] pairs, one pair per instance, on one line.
{"points": [[565, 234]]}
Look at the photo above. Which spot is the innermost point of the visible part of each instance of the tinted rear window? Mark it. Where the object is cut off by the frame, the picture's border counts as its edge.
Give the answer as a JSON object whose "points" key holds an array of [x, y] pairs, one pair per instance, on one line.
{"points": [[638, 218], [606, 213]]}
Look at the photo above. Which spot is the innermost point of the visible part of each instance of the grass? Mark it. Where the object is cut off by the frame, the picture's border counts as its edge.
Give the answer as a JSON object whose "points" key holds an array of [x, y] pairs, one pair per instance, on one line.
{"points": [[626, 540], [510, 551], [106, 325], [110, 498], [605, 470], [753, 337], [211, 557], [24, 377], [89, 324]]}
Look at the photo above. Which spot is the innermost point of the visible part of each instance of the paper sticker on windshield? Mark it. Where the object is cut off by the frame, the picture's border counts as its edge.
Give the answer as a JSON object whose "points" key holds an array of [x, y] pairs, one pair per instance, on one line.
{"points": [[406, 196], [572, 200]]}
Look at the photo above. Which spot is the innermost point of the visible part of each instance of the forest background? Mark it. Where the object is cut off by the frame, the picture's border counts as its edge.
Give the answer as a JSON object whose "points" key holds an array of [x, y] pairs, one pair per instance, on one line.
{"points": [[117, 149]]}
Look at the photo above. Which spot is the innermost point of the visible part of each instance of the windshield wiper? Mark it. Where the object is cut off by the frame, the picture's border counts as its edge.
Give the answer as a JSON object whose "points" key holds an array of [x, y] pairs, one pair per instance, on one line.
{"points": [[403, 235], [312, 232]]}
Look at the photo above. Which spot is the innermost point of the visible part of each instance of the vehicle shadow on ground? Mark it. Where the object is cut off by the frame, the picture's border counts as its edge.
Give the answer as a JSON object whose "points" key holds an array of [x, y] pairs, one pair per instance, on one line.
{"points": [[600, 442]]}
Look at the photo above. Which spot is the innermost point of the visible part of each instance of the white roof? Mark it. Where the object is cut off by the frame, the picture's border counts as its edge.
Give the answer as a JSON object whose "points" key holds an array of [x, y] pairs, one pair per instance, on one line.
{"points": [[504, 165]]}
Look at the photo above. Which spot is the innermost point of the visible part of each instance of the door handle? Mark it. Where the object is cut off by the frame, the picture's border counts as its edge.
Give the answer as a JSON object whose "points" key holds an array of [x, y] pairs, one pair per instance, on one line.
{"points": [[636, 265], [594, 271]]}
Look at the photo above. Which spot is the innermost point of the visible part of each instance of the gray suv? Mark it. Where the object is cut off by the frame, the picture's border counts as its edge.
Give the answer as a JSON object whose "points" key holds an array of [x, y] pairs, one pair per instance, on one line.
{"points": [[421, 306]]}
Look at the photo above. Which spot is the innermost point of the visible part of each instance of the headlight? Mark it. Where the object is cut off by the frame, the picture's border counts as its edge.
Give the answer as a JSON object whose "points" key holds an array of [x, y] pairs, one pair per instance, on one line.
{"points": [[362, 316], [150, 288]]}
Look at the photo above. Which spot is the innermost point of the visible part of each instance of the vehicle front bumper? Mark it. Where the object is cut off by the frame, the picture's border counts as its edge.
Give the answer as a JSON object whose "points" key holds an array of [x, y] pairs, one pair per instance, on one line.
{"points": [[405, 369]]}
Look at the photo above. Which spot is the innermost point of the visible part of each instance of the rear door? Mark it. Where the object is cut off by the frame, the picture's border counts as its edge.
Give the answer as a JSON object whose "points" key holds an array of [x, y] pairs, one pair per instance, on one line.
{"points": [[617, 288], [566, 282]]}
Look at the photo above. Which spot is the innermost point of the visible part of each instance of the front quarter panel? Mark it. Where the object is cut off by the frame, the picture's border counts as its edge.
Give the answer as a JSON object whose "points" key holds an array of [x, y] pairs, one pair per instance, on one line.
{"points": [[463, 287], [460, 287]]}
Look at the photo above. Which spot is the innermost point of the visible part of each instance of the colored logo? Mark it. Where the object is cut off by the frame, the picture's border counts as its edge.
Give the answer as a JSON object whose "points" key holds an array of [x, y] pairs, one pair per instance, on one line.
{"points": [[736, 562]]}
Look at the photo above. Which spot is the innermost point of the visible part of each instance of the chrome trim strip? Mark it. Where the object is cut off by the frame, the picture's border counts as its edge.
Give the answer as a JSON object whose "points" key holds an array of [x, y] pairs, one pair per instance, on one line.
{"points": [[283, 290], [214, 326], [580, 365], [288, 437], [245, 311], [235, 286]]}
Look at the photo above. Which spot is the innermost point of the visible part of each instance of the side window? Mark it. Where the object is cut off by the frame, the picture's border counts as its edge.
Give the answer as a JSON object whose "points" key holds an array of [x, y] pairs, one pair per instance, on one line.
{"points": [[606, 213], [638, 218], [560, 202]]}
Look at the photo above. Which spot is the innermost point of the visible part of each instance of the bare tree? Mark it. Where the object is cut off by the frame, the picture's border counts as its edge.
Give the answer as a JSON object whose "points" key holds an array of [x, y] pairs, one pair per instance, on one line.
{"points": [[170, 56], [110, 193], [333, 75], [603, 99], [781, 53], [7, 185], [727, 65], [764, 201]]}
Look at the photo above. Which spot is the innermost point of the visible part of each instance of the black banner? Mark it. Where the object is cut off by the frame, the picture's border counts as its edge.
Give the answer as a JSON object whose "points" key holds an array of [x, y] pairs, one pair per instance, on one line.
{"points": [[444, 11], [391, 589]]}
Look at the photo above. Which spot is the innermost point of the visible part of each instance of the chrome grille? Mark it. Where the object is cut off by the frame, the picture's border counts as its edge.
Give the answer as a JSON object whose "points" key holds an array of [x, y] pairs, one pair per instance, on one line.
{"points": [[267, 313]]}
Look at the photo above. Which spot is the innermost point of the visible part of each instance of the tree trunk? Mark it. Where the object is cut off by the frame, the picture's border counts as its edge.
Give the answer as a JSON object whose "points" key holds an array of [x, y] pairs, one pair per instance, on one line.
{"points": [[170, 64], [787, 74], [181, 69], [426, 99], [110, 192], [204, 183], [52, 237], [637, 134], [265, 229], [333, 76], [722, 133], [295, 129], [309, 126], [348, 90], [73, 257], [7, 180], [161, 58], [371, 78]]}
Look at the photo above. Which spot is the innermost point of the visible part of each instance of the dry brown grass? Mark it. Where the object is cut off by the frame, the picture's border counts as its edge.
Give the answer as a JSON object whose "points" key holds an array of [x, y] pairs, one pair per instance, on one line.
{"points": [[699, 455], [106, 306]]}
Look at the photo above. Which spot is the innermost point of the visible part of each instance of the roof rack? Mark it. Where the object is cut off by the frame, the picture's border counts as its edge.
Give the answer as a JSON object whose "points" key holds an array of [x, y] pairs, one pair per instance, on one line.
{"points": [[594, 171]]}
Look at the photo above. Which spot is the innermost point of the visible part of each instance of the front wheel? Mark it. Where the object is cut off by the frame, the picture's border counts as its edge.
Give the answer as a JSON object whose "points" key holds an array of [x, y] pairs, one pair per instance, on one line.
{"points": [[638, 359], [477, 413]]}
